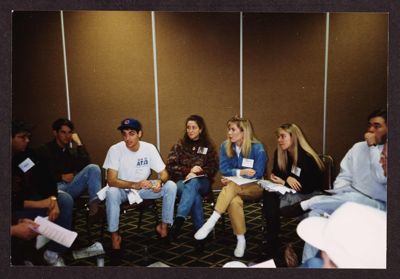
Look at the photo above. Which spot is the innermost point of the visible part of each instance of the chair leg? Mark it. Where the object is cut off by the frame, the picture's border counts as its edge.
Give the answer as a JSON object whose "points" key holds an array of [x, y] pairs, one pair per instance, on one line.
{"points": [[140, 218]]}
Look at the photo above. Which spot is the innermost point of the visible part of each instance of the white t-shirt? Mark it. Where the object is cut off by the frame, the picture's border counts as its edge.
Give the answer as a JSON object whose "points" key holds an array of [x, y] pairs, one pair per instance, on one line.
{"points": [[134, 166]]}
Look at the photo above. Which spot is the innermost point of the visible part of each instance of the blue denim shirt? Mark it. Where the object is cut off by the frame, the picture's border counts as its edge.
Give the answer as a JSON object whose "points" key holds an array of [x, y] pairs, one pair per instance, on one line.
{"points": [[228, 166]]}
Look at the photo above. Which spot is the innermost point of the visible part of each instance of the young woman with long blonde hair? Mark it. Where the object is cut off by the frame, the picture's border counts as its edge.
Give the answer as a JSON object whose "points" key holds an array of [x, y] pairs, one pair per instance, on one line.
{"points": [[241, 155], [296, 166]]}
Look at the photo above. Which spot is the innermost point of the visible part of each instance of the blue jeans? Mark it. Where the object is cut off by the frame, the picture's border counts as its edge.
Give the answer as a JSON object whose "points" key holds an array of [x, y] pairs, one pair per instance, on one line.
{"points": [[89, 178], [191, 201], [65, 204], [315, 262], [115, 196], [328, 204]]}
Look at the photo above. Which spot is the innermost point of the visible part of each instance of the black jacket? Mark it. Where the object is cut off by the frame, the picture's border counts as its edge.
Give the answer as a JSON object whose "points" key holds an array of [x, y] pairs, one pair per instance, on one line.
{"points": [[62, 161], [34, 184], [310, 176]]}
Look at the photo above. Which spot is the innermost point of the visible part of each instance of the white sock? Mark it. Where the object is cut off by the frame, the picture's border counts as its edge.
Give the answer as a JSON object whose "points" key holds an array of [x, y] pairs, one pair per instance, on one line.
{"points": [[214, 217], [240, 246], [208, 226], [303, 205]]}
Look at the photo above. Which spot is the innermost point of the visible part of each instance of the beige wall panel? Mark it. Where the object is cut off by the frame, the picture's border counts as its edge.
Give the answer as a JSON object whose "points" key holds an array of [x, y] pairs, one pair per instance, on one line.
{"points": [[357, 76], [38, 74], [198, 66], [284, 74], [110, 67]]}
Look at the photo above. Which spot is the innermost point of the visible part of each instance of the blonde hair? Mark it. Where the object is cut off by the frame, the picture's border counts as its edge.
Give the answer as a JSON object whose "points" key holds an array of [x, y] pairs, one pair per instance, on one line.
{"points": [[298, 138], [246, 127]]}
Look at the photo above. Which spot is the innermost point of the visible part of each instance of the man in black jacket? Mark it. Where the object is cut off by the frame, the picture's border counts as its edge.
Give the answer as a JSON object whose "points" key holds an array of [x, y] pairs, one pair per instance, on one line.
{"points": [[71, 167], [34, 193]]}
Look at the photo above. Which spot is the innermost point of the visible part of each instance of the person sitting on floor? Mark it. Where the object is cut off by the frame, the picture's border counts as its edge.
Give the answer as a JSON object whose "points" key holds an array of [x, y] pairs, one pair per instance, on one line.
{"points": [[128, 164], [354, 236], [194, 158], [34, 193], [241, 155], [71, 166], [296, 166]]}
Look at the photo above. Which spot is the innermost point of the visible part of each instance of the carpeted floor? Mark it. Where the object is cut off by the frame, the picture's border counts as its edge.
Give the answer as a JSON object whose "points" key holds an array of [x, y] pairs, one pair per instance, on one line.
{"points": [[141, 246]]}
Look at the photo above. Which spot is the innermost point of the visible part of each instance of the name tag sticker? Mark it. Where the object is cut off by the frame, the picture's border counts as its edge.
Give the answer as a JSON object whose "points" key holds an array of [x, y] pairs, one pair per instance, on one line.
{"points": [[26, 165], [296, 171], [202, 150], [248, 163]]}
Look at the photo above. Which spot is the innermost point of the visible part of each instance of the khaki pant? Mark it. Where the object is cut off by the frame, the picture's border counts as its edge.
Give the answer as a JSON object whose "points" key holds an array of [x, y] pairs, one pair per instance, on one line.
{"points": [[231, 198]]}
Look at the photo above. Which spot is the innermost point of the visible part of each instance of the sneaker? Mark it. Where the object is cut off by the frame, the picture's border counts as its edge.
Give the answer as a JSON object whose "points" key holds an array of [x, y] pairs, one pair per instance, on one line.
{"points": [[91, 251], [53, 258]]}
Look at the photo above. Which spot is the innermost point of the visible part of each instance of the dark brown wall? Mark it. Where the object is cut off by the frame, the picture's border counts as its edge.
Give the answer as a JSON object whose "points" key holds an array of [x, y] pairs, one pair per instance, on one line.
{"points": [[38, 84], [110, 68], [284, 74], [358, 52], [198, 73]]}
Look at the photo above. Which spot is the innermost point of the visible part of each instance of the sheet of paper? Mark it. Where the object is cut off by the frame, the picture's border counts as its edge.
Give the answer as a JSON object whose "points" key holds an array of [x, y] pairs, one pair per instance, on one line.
{"points": [[186, 180], [267, 264], [102, 193], [240, 180], [273, 187], [55, 232]]}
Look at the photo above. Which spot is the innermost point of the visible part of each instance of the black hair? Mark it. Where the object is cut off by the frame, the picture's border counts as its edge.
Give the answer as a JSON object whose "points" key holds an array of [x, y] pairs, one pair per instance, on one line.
{"points": [[19, 127], [382, 112], [61, 122]]}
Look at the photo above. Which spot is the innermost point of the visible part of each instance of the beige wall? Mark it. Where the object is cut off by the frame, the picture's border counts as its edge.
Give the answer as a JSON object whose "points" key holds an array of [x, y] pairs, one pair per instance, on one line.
{"points": [[110, 69]]}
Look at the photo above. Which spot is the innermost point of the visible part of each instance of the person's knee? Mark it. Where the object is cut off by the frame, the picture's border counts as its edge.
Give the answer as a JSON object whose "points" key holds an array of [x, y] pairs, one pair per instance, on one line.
{"points": [[170, 187], [94, 169], [65, 200], [113, 194]]}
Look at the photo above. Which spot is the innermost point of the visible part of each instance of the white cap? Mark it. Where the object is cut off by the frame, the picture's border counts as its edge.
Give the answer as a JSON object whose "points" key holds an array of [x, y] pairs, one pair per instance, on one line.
{"points": [[354, 236]]}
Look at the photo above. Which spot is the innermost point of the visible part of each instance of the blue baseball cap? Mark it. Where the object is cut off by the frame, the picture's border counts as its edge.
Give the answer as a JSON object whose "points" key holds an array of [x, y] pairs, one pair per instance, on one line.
{"points": [[130, 123]]}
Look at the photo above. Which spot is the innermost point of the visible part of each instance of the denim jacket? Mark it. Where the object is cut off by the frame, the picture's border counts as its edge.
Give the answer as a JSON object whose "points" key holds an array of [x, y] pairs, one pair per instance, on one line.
{"points": [[229, 166]]}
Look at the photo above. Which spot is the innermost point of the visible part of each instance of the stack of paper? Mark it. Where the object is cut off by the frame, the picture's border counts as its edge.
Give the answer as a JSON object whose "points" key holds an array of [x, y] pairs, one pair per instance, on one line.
{"points": [[55, 232], [273, 187]]}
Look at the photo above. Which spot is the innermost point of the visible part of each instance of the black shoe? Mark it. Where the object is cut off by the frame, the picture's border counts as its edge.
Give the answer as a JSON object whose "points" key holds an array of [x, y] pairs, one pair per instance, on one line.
{"points": [[292, 211], [176, 228], [98, 217]]}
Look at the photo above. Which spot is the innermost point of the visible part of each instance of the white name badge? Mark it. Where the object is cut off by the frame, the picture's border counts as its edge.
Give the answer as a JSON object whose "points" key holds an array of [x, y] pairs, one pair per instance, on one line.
{"points": [[248, 163], [26, 165], [296, 171], [202, 150]]}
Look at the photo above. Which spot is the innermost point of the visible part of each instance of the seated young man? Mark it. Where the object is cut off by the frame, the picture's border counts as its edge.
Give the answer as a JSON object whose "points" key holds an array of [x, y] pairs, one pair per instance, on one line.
{"points": [[34, 193], [129, 164], [71, 167]]}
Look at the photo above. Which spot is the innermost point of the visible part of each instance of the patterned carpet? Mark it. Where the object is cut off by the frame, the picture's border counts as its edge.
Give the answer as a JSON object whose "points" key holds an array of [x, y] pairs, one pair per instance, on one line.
{"points": [[141, 246]]}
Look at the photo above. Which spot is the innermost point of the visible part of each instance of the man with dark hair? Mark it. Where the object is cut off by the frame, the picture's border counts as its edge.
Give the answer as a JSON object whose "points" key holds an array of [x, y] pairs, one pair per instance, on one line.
{"points": [[129, 164], [362, 179], [71, 166], [34, 193]]}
